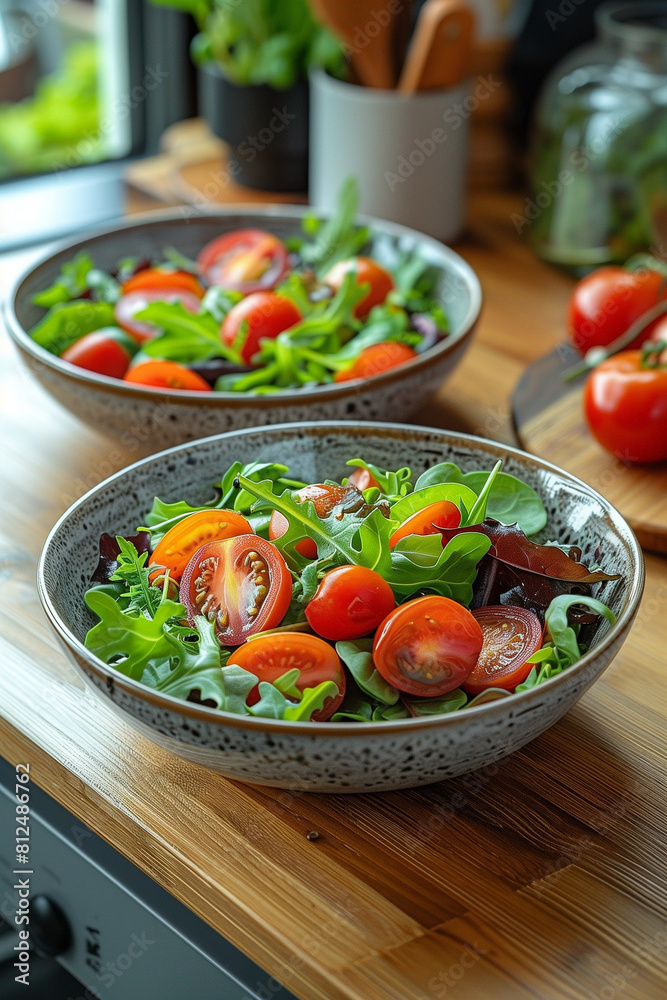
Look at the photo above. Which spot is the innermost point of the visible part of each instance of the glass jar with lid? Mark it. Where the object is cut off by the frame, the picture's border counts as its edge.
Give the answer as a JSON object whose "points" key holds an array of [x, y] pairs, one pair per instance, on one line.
{"points": [[599, 146]]}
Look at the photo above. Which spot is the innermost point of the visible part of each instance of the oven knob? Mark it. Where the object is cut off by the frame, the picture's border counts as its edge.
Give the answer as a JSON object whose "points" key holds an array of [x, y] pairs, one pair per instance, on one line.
{"points": [[49, 928]]}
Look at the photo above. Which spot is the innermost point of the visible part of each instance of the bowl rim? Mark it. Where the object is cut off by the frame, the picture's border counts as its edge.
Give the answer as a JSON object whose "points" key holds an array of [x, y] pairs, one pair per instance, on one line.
{"points": [[331, 391], [203, 713]]}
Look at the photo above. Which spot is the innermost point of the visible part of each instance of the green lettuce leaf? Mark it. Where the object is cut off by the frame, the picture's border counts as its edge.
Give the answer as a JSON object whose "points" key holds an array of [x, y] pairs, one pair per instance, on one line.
{"points": [[67, 322]]}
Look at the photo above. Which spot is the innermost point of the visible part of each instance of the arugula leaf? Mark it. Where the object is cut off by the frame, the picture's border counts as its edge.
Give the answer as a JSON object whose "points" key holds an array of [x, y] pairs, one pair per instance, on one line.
{"points": [[560, 630], [187, 337], [273, 704], [131, 642], [392, 484], [217, 302], [510, 500], [69, 285], [163, 516], [340, 537], [67, 322], [338, 237], [563, 650], [358, 658], [132, 570]]}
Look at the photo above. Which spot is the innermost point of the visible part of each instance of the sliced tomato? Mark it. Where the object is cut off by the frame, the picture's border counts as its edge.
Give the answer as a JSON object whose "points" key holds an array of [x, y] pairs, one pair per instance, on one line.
{"points": [[129, 305], [510, 636], [350, 601], [166, 375], [246, 260], [269, 657], [155, 278], [376, 359], [428, 646], [107, 352], [181, 542], [368, 272], [242, 585], [429, 521], [363, 479], [260, 316], [325, 498]]}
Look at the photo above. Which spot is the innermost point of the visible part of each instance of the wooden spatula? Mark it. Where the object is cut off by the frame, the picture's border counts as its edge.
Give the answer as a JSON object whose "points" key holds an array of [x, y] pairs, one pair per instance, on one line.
{"points": [[439, 53], [366, 29]]}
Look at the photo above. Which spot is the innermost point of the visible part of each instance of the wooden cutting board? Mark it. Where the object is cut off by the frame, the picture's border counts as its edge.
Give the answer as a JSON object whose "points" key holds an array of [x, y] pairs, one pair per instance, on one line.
{"points": [[549, 422]]}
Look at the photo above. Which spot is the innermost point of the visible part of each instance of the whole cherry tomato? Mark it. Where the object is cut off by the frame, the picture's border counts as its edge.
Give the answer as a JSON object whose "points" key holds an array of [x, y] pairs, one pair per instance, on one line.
{"points": [[107, 352], [262, 315], [606, 302], [350, 601], [625, 404]]}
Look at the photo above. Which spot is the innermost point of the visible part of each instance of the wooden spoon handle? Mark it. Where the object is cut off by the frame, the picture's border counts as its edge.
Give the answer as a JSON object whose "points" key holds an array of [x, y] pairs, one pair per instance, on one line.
{"points": [[440, 51]]}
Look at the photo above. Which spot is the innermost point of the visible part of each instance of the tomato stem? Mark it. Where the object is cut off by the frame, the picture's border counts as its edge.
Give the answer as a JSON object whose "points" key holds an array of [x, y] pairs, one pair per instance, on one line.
{"points": [[652, 355]]}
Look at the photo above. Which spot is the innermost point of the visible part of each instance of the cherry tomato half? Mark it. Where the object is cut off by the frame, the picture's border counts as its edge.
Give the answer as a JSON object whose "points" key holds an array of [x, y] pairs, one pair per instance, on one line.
{"points": [[626, 408], [181, 542], [511, 635], [428, 646], [107, 352], [269, 657], [247, 260], [606, 302], [242, 585], [264, 314], [363, 479], [350, 601], [428, 521], [156, 279], [166, 375], [377, 358], [368, 273], [129, 305]]}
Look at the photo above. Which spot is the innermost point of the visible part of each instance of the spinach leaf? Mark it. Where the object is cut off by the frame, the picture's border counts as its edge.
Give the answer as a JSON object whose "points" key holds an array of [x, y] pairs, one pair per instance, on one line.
{"points": [[358, 658], [67, 322], [510, 500], [441, 705], [457, 493]]}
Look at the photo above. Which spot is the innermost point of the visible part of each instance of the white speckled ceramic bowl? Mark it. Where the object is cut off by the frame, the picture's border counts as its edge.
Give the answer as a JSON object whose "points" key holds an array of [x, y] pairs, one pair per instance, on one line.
{"points": [[336, 757], [164, 418]]}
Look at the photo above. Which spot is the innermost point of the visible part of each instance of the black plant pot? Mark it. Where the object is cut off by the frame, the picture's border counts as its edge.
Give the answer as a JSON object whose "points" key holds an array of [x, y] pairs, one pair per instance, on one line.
{"points": [[266, 129]]}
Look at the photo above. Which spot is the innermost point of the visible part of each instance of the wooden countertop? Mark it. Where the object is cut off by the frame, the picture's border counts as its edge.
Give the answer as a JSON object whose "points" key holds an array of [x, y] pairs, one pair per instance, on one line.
{"points": [[544, 878]]}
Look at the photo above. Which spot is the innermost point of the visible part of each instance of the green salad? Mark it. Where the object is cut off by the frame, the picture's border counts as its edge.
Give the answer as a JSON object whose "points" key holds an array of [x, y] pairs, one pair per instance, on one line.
{"points": [[253, 313], [381, 596]]}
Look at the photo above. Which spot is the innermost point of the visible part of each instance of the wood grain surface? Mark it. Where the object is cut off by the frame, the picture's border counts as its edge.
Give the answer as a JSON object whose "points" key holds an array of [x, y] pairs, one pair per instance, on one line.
{"points": [[543, 877], [560, 435]]}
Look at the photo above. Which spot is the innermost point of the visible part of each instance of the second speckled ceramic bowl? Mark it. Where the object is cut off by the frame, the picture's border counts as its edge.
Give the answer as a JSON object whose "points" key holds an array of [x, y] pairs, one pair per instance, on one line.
{"points": [[161, 418], [336, 757]]}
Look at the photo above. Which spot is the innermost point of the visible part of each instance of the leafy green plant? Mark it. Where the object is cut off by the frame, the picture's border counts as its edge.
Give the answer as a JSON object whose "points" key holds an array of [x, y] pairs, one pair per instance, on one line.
{"points": [[272, 42]]}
